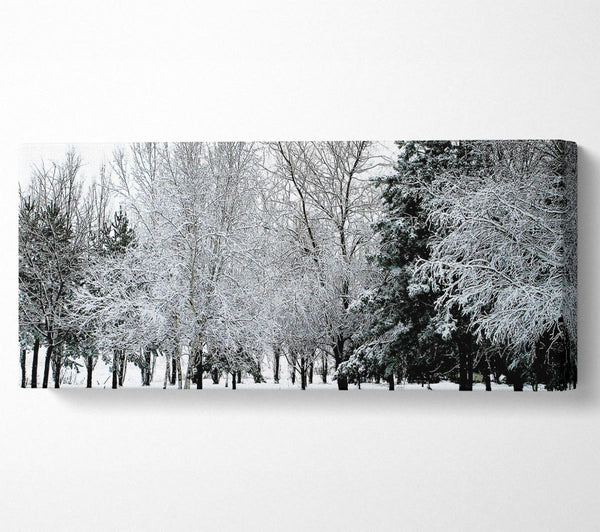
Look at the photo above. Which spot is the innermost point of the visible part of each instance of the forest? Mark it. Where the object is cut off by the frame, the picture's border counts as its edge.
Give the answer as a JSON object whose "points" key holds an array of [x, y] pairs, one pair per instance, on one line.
{"points": [[346, 265]]}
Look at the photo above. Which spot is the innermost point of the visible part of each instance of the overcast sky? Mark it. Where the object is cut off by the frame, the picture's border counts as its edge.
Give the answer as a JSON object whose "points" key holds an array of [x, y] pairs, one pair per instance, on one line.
{"points": [[94, 155]]}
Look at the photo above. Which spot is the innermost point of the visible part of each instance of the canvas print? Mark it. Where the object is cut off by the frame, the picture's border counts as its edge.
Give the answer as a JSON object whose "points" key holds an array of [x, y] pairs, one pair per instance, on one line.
{"points": [[342, 265]]}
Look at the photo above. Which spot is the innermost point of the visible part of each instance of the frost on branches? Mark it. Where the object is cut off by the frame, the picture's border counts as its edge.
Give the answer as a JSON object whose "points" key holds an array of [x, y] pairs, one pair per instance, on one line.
{"points": [[502, 252], [336, 265]]}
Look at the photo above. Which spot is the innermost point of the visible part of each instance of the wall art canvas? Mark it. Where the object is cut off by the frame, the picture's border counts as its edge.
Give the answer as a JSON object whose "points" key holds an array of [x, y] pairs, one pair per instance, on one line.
{"points": [[342, 266]]}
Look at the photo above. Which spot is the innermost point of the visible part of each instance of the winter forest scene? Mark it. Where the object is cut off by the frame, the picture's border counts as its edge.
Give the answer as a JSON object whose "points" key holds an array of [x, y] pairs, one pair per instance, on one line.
{"points": [[407, 265]]}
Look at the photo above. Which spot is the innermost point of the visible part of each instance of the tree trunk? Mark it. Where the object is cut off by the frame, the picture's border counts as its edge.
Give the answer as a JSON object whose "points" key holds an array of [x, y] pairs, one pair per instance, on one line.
{"points": [[338, 355], [488, 382], [167, 371], [153, 357], [122, 367], [239, 377], [302, 373], [173, 370], [47, 365], [518, 383], [215, 376], [311, 370], [89, 366], [147, 365], [487, 378], [199, 370], [233, 386], [324, 369], [23, 368], [57, 368], [34, 362], [188, 373], [276, 356], [179, 376], [115, 369], [391, 383]]}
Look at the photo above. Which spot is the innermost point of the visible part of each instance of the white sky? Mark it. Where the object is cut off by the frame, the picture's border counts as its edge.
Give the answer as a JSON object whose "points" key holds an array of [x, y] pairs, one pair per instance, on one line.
{"points": [[93, 155]]}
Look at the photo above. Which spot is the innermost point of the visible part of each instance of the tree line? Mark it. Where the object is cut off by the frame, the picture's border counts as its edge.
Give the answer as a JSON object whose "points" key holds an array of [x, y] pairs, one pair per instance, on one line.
{"points": [[442, 261]]}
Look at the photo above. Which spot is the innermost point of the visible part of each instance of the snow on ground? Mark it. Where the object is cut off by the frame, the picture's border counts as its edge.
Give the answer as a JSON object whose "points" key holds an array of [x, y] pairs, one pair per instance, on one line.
{"points": [[102, 378]]}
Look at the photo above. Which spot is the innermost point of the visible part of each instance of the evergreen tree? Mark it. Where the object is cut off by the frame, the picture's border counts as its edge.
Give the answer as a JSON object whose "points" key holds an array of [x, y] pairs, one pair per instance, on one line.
{"points": [[116, 236], [406, 335]]}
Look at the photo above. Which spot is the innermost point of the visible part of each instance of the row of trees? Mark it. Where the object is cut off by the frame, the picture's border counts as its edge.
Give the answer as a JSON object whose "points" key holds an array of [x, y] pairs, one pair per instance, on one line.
{"points": [[224, 257]]}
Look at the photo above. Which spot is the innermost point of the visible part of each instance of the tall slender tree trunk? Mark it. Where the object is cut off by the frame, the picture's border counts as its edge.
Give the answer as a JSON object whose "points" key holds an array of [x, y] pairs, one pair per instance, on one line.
{"points": [[391, 383], [122, 367], [148, 362], [115, 369], [47, 365], [34, 362], [23, 368], [303, 373], [89, 366], [233, 385], [173, 370], [488, 372], [324, 369], [488, 382], [216, 377], [199, 369], [311, 370], [188, 373], [338, 355], [179, 375], [153, 357], [57, 368], [276, 357], [167, 371], [239, 377]]}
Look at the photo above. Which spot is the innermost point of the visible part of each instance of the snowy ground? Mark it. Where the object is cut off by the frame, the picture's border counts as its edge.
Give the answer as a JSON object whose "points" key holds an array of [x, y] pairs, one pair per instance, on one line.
{"points": [[102, 378]]}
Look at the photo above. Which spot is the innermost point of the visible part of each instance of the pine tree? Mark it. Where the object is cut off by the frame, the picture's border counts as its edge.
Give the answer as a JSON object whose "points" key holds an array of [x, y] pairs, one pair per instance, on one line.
{"points": [[116, 236], [406, 336]]}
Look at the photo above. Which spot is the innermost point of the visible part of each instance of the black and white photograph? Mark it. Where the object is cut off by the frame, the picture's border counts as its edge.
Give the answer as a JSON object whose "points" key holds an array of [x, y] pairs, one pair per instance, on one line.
{"points": [[347, 265]]}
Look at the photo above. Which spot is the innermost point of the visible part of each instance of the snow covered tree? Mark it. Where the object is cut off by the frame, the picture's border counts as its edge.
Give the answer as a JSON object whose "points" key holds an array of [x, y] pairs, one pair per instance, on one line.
{"points": [[193, 205], [405, 334], [499, 250], [332, 205], [52, 239]]}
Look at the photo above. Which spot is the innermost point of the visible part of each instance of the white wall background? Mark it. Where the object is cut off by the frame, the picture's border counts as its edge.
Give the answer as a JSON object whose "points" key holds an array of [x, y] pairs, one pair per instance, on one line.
{"points": [[119, 71]]}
